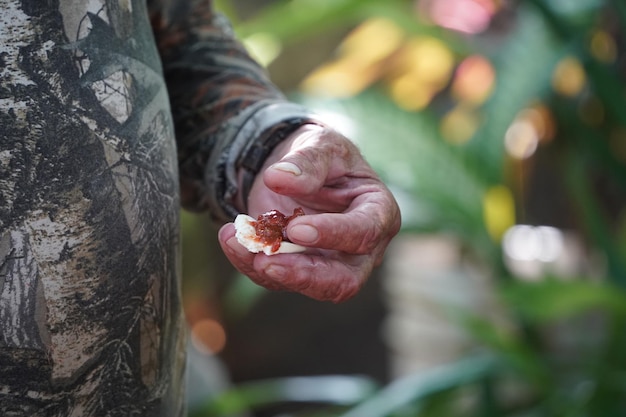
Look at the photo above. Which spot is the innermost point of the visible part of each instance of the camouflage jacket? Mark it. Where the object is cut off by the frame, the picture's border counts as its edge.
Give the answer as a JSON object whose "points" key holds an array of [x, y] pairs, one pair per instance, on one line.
{"points": [[112, 112]]}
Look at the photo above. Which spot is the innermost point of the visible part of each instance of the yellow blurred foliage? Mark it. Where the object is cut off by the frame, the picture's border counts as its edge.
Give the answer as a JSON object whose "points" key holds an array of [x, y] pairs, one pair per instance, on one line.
{"points": [[372, 41], [498, 211], [415, 68], [427, 59], [421, 69], [359, 60], [341, 78]]}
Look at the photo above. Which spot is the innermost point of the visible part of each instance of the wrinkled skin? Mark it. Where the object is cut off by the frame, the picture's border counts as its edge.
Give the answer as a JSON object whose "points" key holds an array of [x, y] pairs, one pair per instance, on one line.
{"points": [[350, 217]]}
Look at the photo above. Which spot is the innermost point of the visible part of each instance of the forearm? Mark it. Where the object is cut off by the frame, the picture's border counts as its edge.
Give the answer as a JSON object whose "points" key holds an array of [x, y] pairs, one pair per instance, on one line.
{"points": [[227, 114]]}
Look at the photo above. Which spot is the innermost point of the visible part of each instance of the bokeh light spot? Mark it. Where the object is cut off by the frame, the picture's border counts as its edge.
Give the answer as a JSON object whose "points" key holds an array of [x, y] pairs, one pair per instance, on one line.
{"points": [[542, 119], [521, 139], [459, 125], [467, 16], [569, 77], [208, 336], [603, 47], [474, 79], [532, 126], [533, 243]]}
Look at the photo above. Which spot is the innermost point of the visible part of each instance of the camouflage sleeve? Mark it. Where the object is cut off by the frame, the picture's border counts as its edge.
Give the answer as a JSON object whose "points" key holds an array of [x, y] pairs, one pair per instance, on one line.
{"points": [[228, 115]]}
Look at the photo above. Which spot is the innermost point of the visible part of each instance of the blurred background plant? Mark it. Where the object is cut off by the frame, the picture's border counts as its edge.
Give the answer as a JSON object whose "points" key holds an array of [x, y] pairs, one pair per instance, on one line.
{"points": [[500, 126]]}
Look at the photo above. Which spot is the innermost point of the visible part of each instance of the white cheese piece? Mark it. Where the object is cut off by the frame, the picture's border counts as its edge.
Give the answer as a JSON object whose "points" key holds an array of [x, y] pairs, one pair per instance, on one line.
{"points": [[246, 235]]}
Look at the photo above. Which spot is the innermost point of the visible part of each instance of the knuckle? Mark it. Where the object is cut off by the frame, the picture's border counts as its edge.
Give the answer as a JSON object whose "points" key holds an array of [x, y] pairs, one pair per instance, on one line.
{"points": [[371, 236]]}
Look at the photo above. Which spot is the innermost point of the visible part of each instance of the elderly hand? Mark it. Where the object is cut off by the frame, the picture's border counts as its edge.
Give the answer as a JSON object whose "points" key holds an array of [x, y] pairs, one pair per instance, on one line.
{"points": [[351, 217]]}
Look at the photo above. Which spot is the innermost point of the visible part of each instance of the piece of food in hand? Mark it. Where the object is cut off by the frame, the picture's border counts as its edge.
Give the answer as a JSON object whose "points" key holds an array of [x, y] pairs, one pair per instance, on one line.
{"points": [[268, 233]]}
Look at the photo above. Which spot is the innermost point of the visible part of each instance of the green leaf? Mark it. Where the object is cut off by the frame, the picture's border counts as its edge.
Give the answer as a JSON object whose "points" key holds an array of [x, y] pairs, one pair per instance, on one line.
{"points": [[509, 346], [414, 389], [297, 19], [330, 390], [227, 8], [593, 215], [554, 299]]}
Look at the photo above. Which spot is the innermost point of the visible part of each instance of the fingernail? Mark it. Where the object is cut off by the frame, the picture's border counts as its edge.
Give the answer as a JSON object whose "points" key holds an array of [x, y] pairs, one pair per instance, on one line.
{"points": [[304, 233], [287, 167]]}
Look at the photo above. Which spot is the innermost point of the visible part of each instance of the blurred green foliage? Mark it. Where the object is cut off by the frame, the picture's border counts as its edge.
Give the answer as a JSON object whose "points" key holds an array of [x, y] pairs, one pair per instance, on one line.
{"points": [[442, 187]]}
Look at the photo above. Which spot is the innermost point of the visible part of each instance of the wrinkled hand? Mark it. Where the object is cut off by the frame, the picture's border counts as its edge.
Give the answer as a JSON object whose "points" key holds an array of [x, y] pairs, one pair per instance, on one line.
{"points": [[351, 217]]}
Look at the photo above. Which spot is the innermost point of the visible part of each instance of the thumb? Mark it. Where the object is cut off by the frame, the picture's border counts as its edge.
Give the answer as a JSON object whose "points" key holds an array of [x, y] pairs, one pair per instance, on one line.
{"points": [[317, 156], [288, 178]]}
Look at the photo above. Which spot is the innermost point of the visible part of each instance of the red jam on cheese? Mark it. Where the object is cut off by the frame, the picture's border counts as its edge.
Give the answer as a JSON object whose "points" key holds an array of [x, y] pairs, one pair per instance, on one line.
{"points": [[271, 227]]}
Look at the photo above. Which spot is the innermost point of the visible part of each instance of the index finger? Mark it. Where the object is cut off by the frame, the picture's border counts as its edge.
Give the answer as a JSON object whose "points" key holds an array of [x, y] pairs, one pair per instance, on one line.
{"points": [[366, 227]]}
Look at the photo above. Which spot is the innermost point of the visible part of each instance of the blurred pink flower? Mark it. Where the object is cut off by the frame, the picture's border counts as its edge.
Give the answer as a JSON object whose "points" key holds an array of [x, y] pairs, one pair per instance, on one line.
{"points": [[467, 16]]}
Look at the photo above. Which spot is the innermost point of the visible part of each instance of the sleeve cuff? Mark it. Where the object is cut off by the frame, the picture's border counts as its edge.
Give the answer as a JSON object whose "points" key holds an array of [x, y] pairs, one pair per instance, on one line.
{"points": [[262, 130]]}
